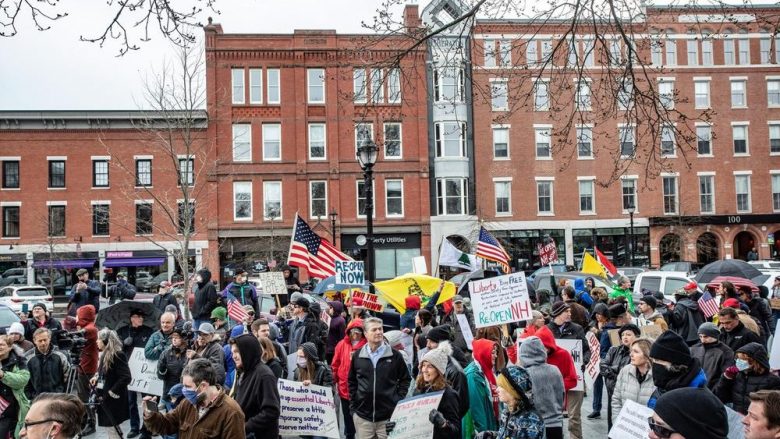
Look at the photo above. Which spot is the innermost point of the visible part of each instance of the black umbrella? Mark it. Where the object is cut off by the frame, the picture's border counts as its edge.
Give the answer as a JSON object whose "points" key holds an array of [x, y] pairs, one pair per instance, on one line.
{"points": [[727, 267], [118, 314]]}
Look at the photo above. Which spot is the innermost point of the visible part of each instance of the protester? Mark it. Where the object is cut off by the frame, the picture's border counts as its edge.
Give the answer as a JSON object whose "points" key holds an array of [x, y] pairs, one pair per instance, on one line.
{"points": [[562, 359], [165, 297], [262, 328], [617, 357], [712, 353], [623, 292], [16, 334], [88, 361], [759, 310], [206, 298], [648, 313], [57, 415], [207, 345], [242, 290], [110, 383], [495, 334], [14, 377], [171, 364], [750, 373], [483, 393], [547, 383], [206, 404], [305, 327], [160, 339], [378, 379], [340, 366], [122, 290], [673, 367], [395, 339], [689, 413], [48, 366], [458, 341], [40, 319], [134, 335], [763, 416], [407, 321], [635, 380], [599, 325], [255, 389], [84, 292], [270, 359], [519, 420], [578, 313], [686, 316], [336, 329], [582, 293], [310, 370], [219, 320], [439, 338], [662, 306], [734, 333]]}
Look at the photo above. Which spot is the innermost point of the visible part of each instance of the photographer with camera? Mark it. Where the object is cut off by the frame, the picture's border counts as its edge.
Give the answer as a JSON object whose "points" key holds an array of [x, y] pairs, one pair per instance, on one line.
{"points": [[48, 366], [40, 319], [14, 377], [110, 384], [84, 292], [165, 297], [172, 363], [88, 358], [134, 336], [207, 345], [54, 416], [160, 339]]}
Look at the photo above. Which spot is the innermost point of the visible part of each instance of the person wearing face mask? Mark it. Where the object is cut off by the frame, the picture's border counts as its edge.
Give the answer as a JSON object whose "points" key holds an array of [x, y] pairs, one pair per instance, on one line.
{"points": [[242, 290], [673, 366], [688, 413], [206, 299], [352, 342], [255, 389], [206, 412], [54, 416], [713, 354], [750, 373]]}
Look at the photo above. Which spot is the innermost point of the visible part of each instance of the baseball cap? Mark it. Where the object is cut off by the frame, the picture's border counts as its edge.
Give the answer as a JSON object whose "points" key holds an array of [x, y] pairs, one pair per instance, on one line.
{"points": [[206, 328]]}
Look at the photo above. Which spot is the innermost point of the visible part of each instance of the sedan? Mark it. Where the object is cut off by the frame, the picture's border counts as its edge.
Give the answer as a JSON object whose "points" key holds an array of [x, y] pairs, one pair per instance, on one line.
{"points": [[21, 298], [7, 316]]}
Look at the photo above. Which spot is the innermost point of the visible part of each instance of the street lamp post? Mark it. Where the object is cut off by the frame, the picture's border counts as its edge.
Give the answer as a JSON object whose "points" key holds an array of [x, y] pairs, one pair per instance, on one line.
{"points": [[631, 232], [333, 214], [367, 154]]}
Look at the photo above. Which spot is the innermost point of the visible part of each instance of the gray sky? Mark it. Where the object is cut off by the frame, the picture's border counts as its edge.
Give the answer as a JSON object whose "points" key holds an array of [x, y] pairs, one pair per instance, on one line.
{"points": [[53, 70]]}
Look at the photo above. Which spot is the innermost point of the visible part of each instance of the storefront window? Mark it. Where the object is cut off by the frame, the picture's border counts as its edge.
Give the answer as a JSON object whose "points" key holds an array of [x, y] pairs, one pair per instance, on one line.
{"points": [[613, 243], [521, 246], [394, 262]]}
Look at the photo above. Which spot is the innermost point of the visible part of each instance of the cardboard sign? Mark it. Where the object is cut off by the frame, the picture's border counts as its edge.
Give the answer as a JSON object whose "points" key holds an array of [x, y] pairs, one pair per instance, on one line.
{"points": [[593, 367], [651, 331], [273, 282], [614, 338], [144, 374], [631, 423], [575, 349], [500, 300], [411, 416], [370, 301], [465, 329], [548, 253], [774, 303], [306, 410], [350, 273]]}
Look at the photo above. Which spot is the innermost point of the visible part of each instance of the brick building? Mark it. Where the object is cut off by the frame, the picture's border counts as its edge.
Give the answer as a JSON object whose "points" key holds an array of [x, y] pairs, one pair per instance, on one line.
{"points": [[287, 111]]}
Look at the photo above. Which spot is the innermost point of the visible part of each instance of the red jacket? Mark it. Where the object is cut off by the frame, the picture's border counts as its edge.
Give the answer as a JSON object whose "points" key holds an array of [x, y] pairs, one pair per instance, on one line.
{"points": [[558, 357], [89, 355], [342, 359]]}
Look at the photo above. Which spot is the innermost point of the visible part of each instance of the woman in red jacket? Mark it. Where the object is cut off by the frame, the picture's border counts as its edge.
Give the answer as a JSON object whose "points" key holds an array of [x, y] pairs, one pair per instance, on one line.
{"points": [[558, 357], [342, 360]]}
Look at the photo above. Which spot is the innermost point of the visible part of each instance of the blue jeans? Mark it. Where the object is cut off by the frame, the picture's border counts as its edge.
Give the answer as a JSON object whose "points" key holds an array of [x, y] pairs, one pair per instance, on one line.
{"points": [[598, 389], [135, 421]]}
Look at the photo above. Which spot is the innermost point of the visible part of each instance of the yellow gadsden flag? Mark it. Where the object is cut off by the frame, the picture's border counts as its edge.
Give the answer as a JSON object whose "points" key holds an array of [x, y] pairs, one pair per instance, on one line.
{"points": [[394, 291], [591, 265]]}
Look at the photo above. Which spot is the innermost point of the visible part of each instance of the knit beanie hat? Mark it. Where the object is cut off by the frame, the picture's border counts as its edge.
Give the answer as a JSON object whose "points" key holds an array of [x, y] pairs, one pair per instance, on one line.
{"points": [[671, 347], [310, 351], [709, 329], [559, 308], [629, 327], [617, 310], [439, 333], [438, 359], [693, 412], [16, 328], [649, 301], [40, 305], [219, 313]]}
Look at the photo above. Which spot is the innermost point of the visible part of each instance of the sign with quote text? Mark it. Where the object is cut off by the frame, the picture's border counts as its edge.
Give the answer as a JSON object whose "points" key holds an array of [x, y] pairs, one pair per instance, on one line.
{"points": [[411, 416], [575, 349], [500, 300], [273, 282], [306, 410], [631, 422], [144, 374]]}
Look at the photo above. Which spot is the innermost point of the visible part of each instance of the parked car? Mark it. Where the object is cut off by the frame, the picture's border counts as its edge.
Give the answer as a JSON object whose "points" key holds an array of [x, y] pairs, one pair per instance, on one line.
{"points": [[542, 281], [666, 281], [557, 268], [631, 272], [142, 279], [7, 316], [154, 283], [23, 297], [14, 272], [691, 268]]}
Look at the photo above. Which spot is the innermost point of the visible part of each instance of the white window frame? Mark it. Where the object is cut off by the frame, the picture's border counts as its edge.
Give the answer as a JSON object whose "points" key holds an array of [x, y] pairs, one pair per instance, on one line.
{"points": [[310, 137], [579, 130], [765, 49], [358, 197], [775, 81], [359, 85], [445, 78], [745, 126], [634, 179], [656, 51], [186, 175], [267, 185], [388, 198], [236, 74], [532, 52], [729, 51], [400, 154], [664, 195], [545, 181], [273, 82], [441, 196], [692, 51], [670, 51], [621, 128], [267, 128], [496, 86], [504, 53], [440, 138], [394, 86], [774, 183], [506, 129], [774, 125], [666, 93], [312, 199], [506, 182], [377, 80], [746, 175], [707, 51], [579, 97], [592, 182], [311, 76], [667, 128], [743, 82], [490, 59], [705, 82], [540, 132], [236, 144], [709, 138], [107, 161], [255, 85], [370, 126], [239, 187], [711, 177], [540, 84], [743, 50]]}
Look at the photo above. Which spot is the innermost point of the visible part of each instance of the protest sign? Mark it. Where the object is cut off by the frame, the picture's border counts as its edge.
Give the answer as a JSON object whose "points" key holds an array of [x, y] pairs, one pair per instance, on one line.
{"points": [[419, 266], [273, 282], [306, 410], [409, 423], [774, 354], [465, 329], [350, 273], [593, 367], [631, 423], [370, 301], [651, 331], [500, 300], [144, 374], [575, 349], [548, 252]]}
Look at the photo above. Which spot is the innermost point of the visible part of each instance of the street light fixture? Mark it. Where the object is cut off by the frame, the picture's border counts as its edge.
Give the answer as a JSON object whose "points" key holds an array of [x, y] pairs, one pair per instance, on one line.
{"points": [[631, 242], [367, 154], [333, 214]]}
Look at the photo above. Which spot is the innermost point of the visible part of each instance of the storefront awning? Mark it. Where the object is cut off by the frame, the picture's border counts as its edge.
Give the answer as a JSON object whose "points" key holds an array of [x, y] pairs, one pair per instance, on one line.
{"points": [[133, 262], [64, 263]]}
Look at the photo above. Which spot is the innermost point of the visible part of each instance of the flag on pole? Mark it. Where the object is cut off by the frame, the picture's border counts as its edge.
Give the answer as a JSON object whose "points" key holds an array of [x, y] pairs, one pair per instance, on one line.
{"points": [[489, 248], [235, 310], [310, 251], [450, 256], [608, 265], [708, 305], [591, 266]]}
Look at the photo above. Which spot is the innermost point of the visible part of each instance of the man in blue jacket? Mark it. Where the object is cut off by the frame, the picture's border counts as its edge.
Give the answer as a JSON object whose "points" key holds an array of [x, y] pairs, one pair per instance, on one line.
{"points": [[84, 292]]}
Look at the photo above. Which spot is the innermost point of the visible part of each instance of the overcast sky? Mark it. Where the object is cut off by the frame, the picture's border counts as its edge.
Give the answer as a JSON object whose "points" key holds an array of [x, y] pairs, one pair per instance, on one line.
{"points": [[53, 70]]}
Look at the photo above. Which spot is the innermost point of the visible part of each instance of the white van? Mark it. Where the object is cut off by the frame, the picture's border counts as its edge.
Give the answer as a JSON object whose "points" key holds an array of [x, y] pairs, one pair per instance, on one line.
{"points": [[666, 281]]}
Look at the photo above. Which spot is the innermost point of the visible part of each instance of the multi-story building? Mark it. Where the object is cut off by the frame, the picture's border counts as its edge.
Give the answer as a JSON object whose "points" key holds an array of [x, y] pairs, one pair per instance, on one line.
{"points": [[288, 111]]}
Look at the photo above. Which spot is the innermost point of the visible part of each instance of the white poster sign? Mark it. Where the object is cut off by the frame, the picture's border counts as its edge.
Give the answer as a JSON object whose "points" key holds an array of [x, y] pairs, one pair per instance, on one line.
{"points": [[593, 367], [306, 410], [631, 423], [465, 329], [575, 349], [419, 266], [144, 374], [500, 300], [411, 416], [273, 282], [350, 273]]}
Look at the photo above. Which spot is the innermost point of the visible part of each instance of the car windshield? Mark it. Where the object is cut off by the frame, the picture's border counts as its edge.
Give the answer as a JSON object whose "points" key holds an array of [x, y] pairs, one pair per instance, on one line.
{"points": [[32, 292], [7, 317]]}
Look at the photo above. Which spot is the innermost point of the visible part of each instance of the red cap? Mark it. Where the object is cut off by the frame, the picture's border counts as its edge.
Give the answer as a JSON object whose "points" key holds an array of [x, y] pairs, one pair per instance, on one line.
{"points": [[357, 302], [731, 303], [691, 286]]}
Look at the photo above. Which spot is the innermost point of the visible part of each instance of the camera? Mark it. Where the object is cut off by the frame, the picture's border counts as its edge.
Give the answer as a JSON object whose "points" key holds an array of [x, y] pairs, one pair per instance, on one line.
{"points": [[73, 342]]}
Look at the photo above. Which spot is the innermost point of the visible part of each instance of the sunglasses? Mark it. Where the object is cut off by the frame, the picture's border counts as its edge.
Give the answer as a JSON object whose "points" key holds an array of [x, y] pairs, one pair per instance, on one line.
{"points": [[659, 430]]}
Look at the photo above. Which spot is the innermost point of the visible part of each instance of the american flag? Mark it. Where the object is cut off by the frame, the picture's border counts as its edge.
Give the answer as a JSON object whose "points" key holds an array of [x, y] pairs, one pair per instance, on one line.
{"points": [[489, 248], [708, 305], [316, 254], [235, 310]]}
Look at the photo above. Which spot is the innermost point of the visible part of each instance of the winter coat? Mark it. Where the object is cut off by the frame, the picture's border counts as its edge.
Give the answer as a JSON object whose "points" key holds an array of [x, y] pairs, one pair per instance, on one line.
{"points": [[685, 320], [374, 391], [714, 358], [448, 406], [559, 358], [276, 368], [157, 343], [546, 381], [48, 372], [206, 298], [617, 357], [15, 379], [337, 328], [170, 366], [604, 341], [456, 378], [628, 388], [693, 377], [656, 319], [133, 338], [581, 294], [322, 375], [452, 319], [114, 411], [256, 390], [738, 337], [571, 331], [342, 359], [245, 293], [87, 296], [760, 311], [213, 352], [625, 293], [737, 391], [524, 424], [30, 325], [89, 355], [480, 416], [161, 301], [224, 419], [307, 330]]}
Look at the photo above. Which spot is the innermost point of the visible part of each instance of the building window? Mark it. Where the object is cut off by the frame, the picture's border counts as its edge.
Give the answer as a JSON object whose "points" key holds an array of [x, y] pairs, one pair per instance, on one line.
{"points": [[394, 86], [448, 85], [450, 139], [503, 191], [242, 142], [500, 143], [377, 89], [100, 219], [774, 139], [316, 84], [743, 193], [615, 53], [56, 173], [393, 149], [743, 44], [702, 93], [704, 139], [666, 94], [587, 48], [272, 141], [531, 53], [143, 219], [363, 131], [490, 53], [667, 141], [451, 196], [765, 49], [582, 99], [773, 92], [776, 192], [572, 46], [57, 221], [656, 51], [186, 218], [625, 96], [359, 86], [274, 86], [670, 194], [739, 134], [693, 52], [728, 51], [318, 199], [544, 197], [394, 198], [584, 142], [238, 85], [626, 134], [255, 86], [628, 187], [670, 48], [317, 141], [542, 96], [361, 199], [547, 51], [186, 171], [586, 197], [143, 172], [272, 200], [706, 51], [505, 54], [738, 94], [499, 95], [11, 221], [242, 200], [542, 137], [707, 194], [11, 174], [99, 173]]}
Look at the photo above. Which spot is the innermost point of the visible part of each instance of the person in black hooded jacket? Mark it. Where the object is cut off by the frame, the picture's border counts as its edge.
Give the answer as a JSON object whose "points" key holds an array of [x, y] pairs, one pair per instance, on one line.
{"points": [[750, 374], [205, 298], [255, 389]]}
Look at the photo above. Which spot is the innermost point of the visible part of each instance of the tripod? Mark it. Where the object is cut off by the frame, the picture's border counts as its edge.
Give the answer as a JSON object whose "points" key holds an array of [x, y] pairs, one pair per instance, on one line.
{"points": [[92, 403]]}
